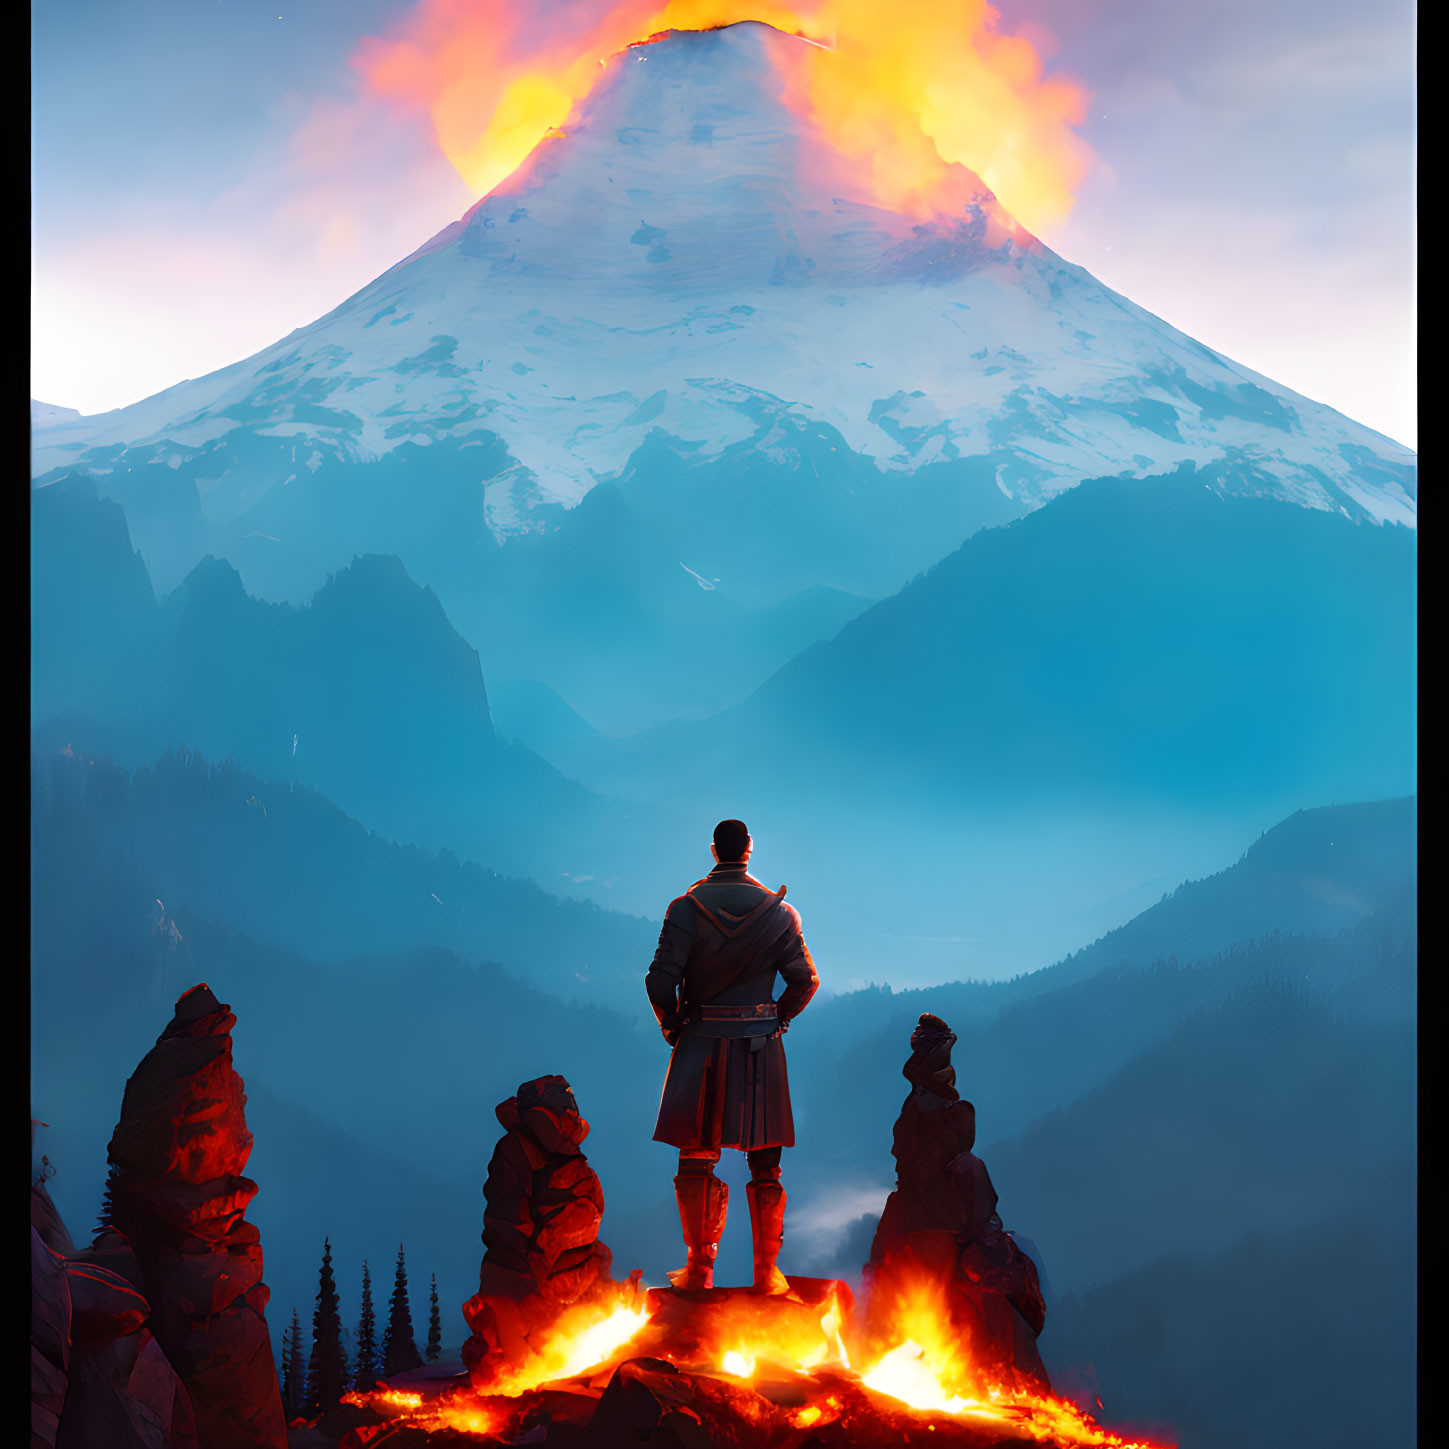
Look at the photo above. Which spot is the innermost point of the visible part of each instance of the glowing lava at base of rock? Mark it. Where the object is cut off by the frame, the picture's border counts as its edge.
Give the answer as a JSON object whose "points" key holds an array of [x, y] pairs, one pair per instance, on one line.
{"points": [[728, 1367]]}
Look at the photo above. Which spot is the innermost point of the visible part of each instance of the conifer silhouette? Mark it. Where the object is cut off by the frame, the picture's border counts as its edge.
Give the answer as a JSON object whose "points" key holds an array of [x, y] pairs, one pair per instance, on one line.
{"points": [[284, 1365], [435, 1327], [294, 1372], [399, 1352], [103, 1218], [325, 1382], [366, 1374]]}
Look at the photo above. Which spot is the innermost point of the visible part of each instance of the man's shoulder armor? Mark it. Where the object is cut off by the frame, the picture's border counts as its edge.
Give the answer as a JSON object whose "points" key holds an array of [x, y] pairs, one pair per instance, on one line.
{"points": [[681, 908]]}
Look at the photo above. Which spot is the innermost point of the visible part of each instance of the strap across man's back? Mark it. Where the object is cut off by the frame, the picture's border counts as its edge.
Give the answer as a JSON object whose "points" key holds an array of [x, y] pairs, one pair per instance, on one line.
{"points": [[727, 954]]}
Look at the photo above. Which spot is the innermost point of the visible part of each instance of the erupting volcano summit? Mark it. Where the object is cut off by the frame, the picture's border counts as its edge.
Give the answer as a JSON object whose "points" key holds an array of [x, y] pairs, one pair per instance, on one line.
{"points": [[690, 258]]}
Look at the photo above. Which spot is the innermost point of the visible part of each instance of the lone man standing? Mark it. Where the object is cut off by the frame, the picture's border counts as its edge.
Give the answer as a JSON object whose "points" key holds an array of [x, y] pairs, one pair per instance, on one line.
{"points": [[712, 987]]}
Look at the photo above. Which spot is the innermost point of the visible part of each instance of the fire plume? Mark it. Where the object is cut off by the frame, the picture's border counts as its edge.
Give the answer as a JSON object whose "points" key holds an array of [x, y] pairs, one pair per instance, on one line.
{"points": [[585, 1336], [925, 1365], [928, 1367], [913, 102]]}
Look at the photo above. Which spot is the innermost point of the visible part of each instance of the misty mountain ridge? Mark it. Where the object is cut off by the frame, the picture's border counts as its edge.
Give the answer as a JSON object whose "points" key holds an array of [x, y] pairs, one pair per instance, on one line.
{"points": [[283, 865], [1138, 637], [367, 693], [1090, 1029], [1006, 675], [1317, 873], [50, 415], [1241, 1118], [1344, 1305], [1144, 672], [1320, 871]]}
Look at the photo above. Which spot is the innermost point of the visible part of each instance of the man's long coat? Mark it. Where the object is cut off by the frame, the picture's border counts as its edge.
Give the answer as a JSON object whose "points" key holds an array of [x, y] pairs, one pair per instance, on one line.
{"points": [[724, 943]]}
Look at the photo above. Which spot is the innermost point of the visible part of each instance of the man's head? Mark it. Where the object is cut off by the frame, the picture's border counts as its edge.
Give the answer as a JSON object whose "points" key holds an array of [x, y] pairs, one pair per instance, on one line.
{"points": [[732, 843]]}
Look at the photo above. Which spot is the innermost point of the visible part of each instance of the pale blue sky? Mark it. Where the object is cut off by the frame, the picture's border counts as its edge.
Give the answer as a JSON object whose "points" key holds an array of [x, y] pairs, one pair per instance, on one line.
{"points": [[204, 182]]}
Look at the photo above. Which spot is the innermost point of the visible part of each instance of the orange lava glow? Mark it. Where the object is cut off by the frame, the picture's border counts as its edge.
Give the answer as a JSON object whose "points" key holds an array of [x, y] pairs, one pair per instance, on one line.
{"points": [[463, 1412], [391, 1399], [915, 101], [749, 1339], [916, 1368], [927, 1367], [585, 1337]]}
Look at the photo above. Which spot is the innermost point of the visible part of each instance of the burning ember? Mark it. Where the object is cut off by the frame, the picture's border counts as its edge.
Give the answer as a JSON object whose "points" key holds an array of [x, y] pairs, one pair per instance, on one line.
{"points": [[471, 1419], [780, 1364]]}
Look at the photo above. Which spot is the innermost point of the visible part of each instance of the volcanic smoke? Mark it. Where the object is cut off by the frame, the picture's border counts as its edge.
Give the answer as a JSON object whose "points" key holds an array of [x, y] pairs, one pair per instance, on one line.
{"points": [[912, 103]]}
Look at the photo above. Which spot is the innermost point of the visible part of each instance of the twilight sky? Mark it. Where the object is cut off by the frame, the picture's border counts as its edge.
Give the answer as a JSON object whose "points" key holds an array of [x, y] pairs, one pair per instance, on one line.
{"points": [[207, 176]]}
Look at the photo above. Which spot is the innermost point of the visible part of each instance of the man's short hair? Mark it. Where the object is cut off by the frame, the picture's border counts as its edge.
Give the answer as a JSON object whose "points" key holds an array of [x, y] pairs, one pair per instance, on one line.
{"points": [[731, 839]]}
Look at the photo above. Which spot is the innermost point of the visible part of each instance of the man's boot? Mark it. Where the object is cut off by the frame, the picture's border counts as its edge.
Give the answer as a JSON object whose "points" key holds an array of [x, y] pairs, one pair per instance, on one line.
{"points": [[767, 1224], [703, 1201]]}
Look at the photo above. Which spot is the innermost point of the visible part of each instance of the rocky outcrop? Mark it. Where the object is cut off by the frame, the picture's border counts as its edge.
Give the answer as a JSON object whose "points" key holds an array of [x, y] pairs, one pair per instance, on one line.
{"points": [[97, 1375], [123, 1393], [541, 1223], [49, 1341], [941, 1226], [175, 1226]]}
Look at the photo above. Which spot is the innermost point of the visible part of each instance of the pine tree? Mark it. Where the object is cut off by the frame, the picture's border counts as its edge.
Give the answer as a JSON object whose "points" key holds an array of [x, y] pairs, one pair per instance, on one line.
{"points": [[365, 1378], [325, 1383], [284, 1365], [294, 1384], [399, 1353], [435, 1327], [103, 1218], [345, 1357]]}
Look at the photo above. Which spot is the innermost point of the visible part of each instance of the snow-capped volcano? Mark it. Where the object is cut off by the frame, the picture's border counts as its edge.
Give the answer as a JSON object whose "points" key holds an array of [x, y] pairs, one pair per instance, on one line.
{"points": [[673, 261]]}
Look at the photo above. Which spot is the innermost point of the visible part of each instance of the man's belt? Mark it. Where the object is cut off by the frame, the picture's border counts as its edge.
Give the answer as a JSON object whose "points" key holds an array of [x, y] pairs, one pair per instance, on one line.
{"points": [[754, 1020]]}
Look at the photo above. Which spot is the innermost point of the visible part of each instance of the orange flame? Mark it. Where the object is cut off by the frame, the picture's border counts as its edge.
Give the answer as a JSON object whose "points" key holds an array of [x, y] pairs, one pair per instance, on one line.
{"points": [[586, 1336], [918, 1365], [749, 1337], [907, 95], [738, 1364], [928, 1369], [458, 1411]]}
